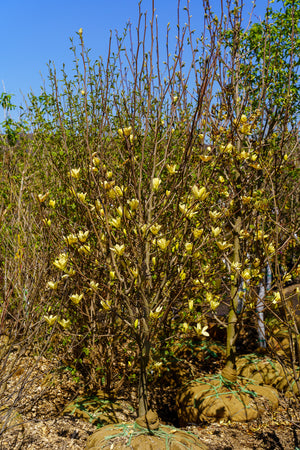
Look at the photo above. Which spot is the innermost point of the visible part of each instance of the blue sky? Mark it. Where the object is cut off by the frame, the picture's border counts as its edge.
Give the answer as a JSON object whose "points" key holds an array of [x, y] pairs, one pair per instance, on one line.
{"points": [[33, 32]]}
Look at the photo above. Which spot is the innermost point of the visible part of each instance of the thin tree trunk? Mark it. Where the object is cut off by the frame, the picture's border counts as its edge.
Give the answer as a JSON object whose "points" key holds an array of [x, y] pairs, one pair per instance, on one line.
{"points": [[142, 390], [232, 316]]}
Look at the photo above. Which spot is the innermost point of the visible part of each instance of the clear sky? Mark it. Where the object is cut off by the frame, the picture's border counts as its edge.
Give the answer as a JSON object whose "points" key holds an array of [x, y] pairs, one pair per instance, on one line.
{"points": [[32, 32]]}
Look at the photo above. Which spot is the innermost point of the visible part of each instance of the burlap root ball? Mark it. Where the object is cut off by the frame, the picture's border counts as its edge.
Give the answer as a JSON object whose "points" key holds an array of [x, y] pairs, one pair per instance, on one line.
{"points": [[219, 399], [267, 371], [137, 436]]}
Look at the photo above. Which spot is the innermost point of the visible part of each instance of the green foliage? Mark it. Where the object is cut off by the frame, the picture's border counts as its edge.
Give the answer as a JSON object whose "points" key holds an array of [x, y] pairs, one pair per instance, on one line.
{"points": [[270, 63]]}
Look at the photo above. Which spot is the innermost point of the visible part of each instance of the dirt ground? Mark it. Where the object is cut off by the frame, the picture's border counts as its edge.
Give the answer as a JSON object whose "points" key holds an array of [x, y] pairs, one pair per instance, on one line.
{"points": [[42, 408]]}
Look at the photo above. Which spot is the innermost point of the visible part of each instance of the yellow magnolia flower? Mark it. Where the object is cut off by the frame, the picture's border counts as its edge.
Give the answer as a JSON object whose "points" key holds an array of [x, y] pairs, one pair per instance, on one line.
{"points": [[123, 211], [136, 323], [42, 197], [246, 199], [201, 136], [163, 243], [216, 231], [205, 158], [197, 232], [214, 304], [76, 298], [96, 161], [69, 273], [133, 203], [229, 147], [271, 248], [112, 275], [81, 196], [199, 194], [52, 285], [50, 320], [115, 222], [94, 286], [188, 247], [287, 277], [64, 323], [256, 166], [276, 298], [106, 304], [246, 274], [223, 245], [221, 179], [171, 168], [260, 235], [244, 234], [124, 131], [71, 239], [61, 261], [47, 222], [144, 228], [155, 228], [182, 275], [246, 129], [134, 272], [188, 212], [84, 249], [156, 183], [175, 98], [153, 260], [236, 266], [118, 249], [116, 192], [80, 31], [215, 215], [243, 118], [52, 203], [243, 155], [168, 193], [191, 304], [74, 173], [185, 326], [108, 184], [201, 331], [82, 236], [209, 296], [157, 313]]}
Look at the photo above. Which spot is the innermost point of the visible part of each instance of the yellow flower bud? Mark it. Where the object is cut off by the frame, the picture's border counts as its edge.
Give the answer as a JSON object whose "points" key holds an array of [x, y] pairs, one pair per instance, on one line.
{"points": [[156, 183]]}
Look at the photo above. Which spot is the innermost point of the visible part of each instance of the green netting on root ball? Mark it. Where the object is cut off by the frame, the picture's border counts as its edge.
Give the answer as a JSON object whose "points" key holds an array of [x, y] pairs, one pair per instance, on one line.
{"points": [[216, 398], [269, 372], [133, 436]]}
